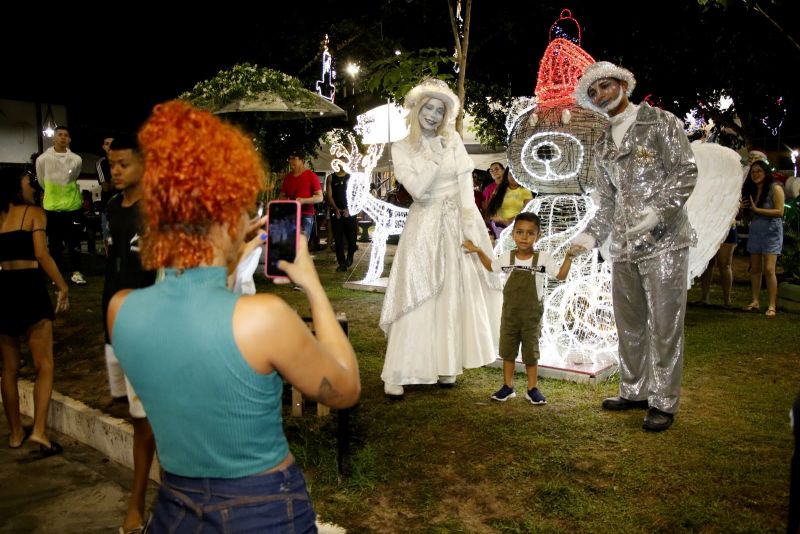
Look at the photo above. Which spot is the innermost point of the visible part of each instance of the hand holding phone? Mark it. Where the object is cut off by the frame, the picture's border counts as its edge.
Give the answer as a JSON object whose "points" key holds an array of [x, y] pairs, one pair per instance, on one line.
{"points": [[283, 223]]}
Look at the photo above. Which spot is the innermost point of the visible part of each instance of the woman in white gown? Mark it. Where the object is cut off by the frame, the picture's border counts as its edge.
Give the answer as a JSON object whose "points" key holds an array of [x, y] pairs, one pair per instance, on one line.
{"points": [[441, 311]]}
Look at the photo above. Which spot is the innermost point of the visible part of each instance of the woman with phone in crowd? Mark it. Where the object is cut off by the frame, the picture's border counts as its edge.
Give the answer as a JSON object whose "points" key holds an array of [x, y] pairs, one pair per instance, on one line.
{"points": [[441, 311], [26, 311], [764, 198], [208, 364]]}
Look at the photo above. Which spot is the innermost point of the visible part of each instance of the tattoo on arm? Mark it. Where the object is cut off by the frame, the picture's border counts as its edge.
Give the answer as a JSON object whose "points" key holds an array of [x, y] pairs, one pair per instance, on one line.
{"points": [[326, 392]]}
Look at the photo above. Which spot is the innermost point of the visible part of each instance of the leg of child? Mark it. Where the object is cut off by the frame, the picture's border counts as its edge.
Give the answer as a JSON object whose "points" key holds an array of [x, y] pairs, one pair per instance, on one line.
{"points": [[533, 375], [509, 367]]}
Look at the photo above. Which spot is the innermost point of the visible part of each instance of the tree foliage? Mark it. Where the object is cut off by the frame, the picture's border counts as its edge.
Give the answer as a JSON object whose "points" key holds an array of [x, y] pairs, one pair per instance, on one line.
{"points": [[394, 76], [275, 139]]}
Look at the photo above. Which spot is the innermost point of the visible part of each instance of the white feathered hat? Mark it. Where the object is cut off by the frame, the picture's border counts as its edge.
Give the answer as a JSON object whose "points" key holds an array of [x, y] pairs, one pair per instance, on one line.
{"points": [[598, 71], [433, 88]]}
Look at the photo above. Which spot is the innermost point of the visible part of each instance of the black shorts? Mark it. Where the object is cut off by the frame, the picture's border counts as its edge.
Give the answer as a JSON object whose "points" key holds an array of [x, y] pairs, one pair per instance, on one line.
{"points": [[25, 301], [733, 236]]}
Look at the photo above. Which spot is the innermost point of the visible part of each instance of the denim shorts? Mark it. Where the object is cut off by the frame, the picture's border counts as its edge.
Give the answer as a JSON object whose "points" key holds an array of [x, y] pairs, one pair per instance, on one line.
{"points": [[307, 225], [275, 502]]}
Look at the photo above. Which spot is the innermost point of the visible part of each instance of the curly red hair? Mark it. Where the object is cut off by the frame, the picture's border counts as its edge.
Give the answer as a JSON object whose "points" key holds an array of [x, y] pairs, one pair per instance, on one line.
{"points": [[198, 171]]}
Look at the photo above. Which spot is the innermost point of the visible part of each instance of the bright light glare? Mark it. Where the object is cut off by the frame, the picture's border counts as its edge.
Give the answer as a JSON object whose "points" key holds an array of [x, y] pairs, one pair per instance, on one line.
{"points": [[352, 69]]}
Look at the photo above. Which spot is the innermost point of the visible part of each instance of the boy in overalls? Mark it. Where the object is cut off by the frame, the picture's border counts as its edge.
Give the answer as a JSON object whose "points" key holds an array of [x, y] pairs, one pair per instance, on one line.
{"points": [[520, 322]]}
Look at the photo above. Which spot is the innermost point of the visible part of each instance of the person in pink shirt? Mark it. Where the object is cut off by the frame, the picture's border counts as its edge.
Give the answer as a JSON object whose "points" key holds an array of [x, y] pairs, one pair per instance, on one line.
{"points": [[496, 170]]}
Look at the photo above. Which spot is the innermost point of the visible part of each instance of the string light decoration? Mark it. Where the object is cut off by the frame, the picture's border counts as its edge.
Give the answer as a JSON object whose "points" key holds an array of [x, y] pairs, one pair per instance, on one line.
{"points": [[519, 107], [326, 85], [550, 144], [562, 64], [548, 154], [389, 219], [578, 324]]}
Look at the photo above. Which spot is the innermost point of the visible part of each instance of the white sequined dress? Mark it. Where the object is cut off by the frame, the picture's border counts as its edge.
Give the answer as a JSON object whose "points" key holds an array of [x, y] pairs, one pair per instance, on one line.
{"points": [[441, 311]]}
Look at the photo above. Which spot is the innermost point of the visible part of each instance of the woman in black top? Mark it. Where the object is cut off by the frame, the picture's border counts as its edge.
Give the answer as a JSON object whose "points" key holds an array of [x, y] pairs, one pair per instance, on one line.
{"points": [[26, 310]]}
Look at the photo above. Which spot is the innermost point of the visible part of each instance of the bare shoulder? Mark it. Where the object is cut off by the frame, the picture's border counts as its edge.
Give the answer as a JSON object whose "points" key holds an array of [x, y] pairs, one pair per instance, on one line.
{"points": [[113, 308], [35, 218], [263, 315]]}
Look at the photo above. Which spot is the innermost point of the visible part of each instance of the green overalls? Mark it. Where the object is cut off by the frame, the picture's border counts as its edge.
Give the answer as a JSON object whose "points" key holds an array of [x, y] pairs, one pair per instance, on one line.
{"points": [[520, 322]]}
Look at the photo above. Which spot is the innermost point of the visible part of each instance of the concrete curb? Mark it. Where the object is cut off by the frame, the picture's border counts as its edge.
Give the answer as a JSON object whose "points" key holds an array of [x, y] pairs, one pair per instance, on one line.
{"points": [[111, 436]]}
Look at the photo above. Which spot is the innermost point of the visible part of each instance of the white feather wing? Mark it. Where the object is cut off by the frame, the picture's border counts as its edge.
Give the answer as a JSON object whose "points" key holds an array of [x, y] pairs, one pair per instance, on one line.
{"points": [[714, 202]]}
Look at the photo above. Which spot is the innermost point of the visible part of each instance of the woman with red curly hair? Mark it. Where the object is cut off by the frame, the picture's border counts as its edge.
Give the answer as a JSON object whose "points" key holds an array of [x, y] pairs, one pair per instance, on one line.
{"points": [[208, 364]]}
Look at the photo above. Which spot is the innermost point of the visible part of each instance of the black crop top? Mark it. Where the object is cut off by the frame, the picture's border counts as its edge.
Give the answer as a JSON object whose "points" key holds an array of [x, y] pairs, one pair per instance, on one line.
{"points": [[17, 244]]}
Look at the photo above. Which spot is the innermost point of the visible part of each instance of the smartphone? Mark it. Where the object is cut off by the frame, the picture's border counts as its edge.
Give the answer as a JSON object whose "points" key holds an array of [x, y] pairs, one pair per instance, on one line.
{"points": [[283, 223]]}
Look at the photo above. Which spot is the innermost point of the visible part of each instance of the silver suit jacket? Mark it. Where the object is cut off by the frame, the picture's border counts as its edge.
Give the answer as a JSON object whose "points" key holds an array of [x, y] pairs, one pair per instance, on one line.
{"points": [[653, 168]]}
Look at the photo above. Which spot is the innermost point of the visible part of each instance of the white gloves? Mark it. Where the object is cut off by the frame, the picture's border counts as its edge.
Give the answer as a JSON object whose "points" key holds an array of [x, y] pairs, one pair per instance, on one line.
{"points": [[581, 243], [437, 144], [468, 224], [648, 221]]}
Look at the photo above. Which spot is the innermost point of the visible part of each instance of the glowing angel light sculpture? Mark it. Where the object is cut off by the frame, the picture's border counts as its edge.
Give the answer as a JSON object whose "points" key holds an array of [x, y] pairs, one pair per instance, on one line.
{"points": [[389, 219]]}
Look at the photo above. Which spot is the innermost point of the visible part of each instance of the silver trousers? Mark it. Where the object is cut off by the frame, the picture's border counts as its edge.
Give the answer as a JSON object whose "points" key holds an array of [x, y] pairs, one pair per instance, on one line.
{"points": [[649, 307]]}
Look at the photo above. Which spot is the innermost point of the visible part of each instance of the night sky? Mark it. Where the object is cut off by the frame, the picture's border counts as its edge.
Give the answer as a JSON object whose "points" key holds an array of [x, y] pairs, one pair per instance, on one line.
{"points": [[111, 69]]}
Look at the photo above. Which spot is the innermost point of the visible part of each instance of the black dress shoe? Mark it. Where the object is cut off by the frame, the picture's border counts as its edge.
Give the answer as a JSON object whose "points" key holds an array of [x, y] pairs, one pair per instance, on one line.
{"points": [[619, 403], [657, 421], [349, 261], [341, 268]]}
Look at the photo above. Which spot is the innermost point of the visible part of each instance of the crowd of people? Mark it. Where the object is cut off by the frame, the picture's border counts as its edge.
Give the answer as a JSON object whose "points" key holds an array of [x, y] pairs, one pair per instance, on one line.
{"points": [[185, 213]]}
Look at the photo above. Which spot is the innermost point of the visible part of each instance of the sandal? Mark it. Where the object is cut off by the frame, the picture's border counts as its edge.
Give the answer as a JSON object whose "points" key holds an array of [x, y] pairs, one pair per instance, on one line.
{"points": [[46, 452], [770, 311], [753, 306], [141, 529]]}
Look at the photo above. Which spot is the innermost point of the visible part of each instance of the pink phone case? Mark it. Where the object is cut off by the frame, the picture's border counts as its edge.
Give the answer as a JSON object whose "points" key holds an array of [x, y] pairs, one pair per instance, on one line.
{"points": [[282, 238]]}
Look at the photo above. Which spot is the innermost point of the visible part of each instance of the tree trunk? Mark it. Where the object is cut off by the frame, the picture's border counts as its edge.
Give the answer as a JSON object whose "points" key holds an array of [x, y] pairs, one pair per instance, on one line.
{"points": [[462, 44]]}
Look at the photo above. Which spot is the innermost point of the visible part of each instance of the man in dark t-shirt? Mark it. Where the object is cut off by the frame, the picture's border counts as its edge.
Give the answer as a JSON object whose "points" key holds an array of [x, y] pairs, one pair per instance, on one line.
{"points": [[343, 222], [124, 271]]}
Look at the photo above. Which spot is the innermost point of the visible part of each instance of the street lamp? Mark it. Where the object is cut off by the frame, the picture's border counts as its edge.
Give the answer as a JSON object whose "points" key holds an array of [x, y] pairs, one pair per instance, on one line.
{"points": [[352, 69], [49, 124]]}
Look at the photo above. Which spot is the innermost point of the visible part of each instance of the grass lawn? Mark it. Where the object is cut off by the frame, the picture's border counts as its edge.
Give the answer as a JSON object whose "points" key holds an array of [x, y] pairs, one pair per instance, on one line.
{"points": [[452, 461]]}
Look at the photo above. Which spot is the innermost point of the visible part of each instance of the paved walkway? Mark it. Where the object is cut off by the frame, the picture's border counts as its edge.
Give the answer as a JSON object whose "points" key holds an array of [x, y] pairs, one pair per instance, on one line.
{"points": [[79, 491]]}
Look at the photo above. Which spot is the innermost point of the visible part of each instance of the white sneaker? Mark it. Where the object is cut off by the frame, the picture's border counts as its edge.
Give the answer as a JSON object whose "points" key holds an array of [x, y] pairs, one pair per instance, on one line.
{"points": [[392, 390], [78, 279]]}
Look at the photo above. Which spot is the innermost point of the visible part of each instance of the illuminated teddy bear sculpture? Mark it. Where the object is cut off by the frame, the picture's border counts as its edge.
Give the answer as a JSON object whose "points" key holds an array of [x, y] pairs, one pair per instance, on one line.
{"points": [[550, 144]]}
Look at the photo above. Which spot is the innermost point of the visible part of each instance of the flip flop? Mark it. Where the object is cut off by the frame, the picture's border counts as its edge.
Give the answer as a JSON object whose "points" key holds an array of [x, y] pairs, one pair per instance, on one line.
{"points": [[54, 449], [751, 307], [770, 312]]}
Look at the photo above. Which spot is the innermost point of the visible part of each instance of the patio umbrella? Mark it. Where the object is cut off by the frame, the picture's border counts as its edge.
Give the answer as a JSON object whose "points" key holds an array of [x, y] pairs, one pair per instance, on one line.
{"points": [[275, 107]]}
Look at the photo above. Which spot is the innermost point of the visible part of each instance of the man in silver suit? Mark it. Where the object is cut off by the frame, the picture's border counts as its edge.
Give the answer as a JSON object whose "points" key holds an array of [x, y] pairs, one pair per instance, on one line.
{"points": [[646, 172]]}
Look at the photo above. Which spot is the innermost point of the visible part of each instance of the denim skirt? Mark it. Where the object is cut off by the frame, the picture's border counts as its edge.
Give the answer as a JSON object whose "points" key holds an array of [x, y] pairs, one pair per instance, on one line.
{"points": [[275, 502]]}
